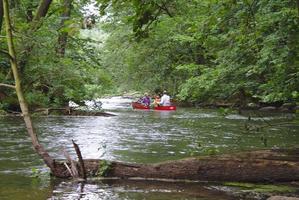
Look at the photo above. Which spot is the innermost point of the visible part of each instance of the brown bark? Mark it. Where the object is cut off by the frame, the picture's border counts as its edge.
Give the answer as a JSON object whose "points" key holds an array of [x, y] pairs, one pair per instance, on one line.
{"points": [[80, 159], [42, 9], [70, 111], [258, 166], [63, 35], [71, 166]]}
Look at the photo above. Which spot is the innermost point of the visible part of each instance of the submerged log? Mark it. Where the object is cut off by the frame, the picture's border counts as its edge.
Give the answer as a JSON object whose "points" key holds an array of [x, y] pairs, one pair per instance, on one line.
{"points": [[256, 166]]}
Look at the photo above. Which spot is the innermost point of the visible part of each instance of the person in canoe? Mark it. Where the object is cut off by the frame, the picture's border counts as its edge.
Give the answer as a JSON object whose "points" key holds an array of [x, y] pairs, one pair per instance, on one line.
{"points": [[165, 99], [145, 100], [157, 100]]}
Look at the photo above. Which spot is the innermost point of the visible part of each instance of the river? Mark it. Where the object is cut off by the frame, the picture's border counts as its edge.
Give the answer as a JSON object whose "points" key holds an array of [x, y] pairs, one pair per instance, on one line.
{"points": [[133, 136]]}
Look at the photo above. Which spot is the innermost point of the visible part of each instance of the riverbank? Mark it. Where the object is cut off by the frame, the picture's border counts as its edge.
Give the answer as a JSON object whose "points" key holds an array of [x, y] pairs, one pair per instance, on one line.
{"points": [[60, 111], [283, 107], [95, 107]]}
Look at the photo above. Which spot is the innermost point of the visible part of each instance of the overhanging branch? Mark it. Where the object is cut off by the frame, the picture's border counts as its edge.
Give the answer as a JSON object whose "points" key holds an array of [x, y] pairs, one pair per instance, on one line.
{"points": [[6, 54], [7, 85]]}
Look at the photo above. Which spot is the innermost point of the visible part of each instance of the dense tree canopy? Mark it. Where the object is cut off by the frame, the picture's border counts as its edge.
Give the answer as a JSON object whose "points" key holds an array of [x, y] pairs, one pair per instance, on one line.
{"points": [[200, 50], [208, 50], [56, 63]]}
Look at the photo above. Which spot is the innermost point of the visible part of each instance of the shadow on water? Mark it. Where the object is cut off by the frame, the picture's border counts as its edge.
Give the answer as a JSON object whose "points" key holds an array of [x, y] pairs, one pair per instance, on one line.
{"points": [[131, 136]]}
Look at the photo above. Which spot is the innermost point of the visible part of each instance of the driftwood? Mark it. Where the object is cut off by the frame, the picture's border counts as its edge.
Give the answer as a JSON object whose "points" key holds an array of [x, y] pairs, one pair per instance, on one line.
{"points": [[71, 166], [256, 166], [80, 158], [72, 112]]}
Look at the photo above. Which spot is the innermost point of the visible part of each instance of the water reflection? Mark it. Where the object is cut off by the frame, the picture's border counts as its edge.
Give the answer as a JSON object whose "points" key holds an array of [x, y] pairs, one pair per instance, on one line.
{"points": [[21, 186], [163, 114], [135, 189]]}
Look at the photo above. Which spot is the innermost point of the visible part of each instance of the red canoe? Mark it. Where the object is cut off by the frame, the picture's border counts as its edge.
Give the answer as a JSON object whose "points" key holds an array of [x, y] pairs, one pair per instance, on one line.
{"points": [[165, 108], [136, 105], [140, 106]]}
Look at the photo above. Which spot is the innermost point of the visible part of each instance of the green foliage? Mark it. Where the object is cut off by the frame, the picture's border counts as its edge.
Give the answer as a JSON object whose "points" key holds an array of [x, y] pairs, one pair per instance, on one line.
{"points": [[209, 50], [139, 14], [200, 51], [50, 80], [2, 112], [35, 172], [104, 167]]}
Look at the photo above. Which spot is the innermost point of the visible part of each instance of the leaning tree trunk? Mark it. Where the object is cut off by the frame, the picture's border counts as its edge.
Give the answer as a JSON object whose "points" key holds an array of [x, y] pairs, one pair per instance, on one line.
{"points": [[42, 10], [25, 111], [1, 15]]}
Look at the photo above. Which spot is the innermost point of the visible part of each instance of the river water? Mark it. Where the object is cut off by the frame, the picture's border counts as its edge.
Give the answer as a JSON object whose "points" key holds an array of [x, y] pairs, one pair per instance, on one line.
{"points": [[133, 136]]}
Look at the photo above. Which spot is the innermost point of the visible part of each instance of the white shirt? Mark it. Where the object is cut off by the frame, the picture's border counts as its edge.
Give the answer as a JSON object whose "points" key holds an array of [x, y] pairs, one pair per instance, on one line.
{"points": [[165, 100]]}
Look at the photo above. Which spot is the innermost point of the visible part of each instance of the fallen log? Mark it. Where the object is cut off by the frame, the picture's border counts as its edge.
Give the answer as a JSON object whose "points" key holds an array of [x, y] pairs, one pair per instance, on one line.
{"points": [[256, 166], [72, 112]]}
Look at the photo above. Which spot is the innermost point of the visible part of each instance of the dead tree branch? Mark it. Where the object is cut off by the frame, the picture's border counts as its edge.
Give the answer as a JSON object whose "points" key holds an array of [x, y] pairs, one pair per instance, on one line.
{"points": [[7, 85], [81, 162]]}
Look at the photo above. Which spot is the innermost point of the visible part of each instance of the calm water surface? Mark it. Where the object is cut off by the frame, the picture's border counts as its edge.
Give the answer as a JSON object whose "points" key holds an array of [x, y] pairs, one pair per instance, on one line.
{"points": [[137, 137]]}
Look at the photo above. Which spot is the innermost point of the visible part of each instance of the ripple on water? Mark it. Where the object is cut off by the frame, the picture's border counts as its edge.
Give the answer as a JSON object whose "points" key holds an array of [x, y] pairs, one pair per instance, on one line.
{"points": [[132, 136]]}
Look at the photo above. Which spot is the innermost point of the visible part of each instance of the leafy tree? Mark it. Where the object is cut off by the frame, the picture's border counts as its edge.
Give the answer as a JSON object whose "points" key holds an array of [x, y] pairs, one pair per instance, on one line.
{"points": [[56, 63], [240, 51], [200, 50]]}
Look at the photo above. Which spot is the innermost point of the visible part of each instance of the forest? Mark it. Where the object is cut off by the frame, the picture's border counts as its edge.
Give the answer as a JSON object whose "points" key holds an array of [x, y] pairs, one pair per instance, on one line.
{"points": [[241, 52]]}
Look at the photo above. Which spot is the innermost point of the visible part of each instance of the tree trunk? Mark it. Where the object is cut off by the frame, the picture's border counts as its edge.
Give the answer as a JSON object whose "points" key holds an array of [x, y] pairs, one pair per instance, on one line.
{"points": [[63, 35], [25, 111], [258, 166], [1, 15], [42, 9]]}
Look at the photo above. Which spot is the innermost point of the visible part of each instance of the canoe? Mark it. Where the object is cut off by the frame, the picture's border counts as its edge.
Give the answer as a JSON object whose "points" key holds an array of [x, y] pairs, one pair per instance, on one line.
{"points": [[140, 106], [165, 108]]}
